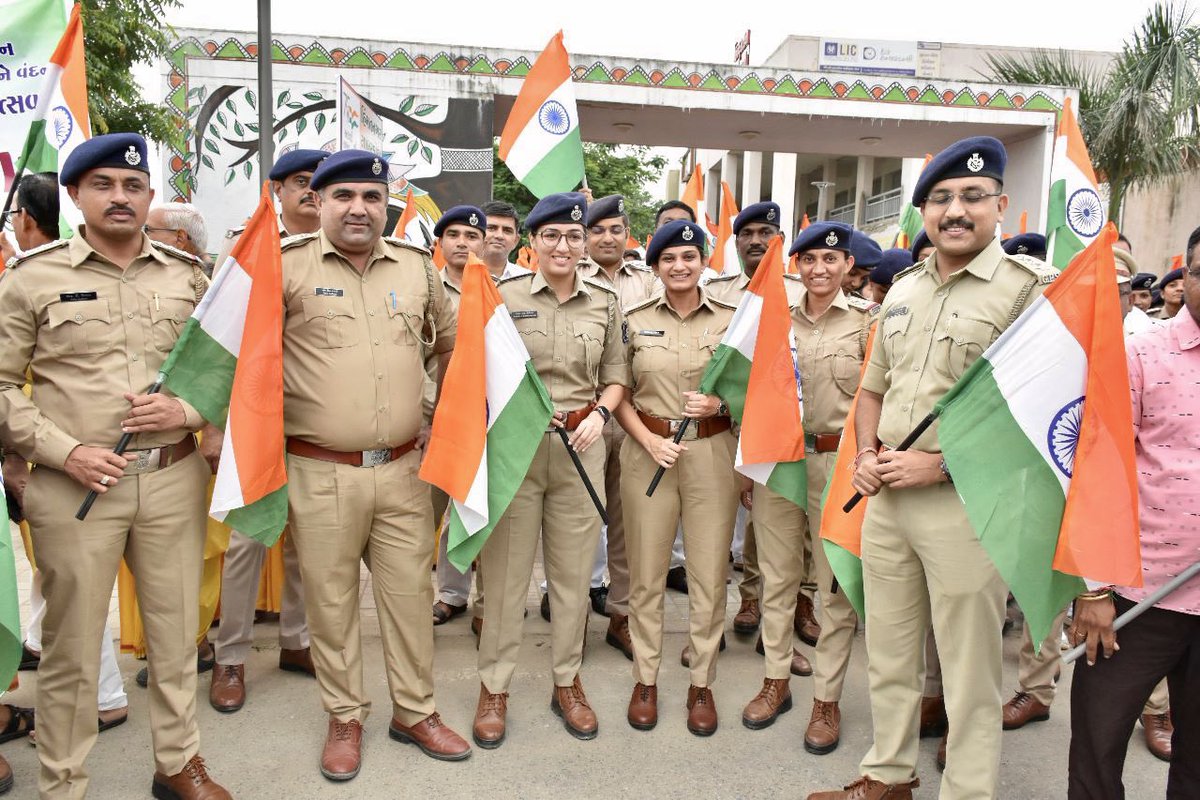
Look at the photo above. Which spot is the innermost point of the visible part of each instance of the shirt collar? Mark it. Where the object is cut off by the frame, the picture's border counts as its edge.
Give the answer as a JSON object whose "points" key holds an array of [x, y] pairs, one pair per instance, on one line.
{"points": [[539, 283], [445, 276], [381, 249], [982, 266], [1187, 332], [80, 250], [660, 301]]}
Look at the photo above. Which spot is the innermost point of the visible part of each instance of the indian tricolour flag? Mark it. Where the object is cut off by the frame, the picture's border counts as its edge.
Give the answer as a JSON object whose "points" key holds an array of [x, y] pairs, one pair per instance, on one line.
{"points": [[228, 363], [540, 143], [490, 418], [1076, 213], [725, 259], [60, 123], [1038, 435], [754, 371]]}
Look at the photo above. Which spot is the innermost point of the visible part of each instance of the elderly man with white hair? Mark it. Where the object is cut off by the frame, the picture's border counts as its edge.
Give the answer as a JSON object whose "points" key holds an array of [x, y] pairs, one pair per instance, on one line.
{"points": [[181, 226]]}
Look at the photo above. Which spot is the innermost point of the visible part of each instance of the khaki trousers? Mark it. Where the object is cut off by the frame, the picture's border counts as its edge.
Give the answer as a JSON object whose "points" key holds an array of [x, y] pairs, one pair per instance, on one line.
{"points": [[339, 515], [156, 521], [779, 527], [239, 595], [750, 586], [922, 561], [618, 554], [700, 489], [839, 621], [552, 499]]}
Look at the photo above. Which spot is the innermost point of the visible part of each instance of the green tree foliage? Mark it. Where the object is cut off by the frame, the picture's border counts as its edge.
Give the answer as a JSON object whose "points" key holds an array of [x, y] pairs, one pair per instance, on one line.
{"points": [[1140, 117], [611, 169], [118, 34]]}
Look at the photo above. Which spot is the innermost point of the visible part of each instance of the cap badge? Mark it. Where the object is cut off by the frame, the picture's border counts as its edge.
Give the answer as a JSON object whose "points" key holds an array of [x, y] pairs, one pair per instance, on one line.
{"points": [[1022, 249], [621, 205], [831, 239], [132, 156], [376, 167], [771, 215], [576, 214], [975, 162], [473, 219], [687, 234]]}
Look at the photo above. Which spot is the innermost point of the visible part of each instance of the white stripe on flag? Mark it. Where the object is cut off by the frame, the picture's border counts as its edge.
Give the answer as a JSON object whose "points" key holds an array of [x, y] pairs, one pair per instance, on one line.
{"points": [[743, 328], [534, 142]]}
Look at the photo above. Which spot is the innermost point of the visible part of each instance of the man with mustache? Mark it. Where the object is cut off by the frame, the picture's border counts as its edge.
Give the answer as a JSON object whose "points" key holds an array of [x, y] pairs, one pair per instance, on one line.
{"points": [[95, 316], [922, 561], [298, 213]]}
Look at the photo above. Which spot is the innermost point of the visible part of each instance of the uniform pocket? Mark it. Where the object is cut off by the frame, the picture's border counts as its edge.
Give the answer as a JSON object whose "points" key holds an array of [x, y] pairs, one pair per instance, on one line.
{"points": [[893, 331], [650, 353], [84, 327], [845, 371], [960, 343], [168, 315], [407, 318], [589, 336], [331, 321]]}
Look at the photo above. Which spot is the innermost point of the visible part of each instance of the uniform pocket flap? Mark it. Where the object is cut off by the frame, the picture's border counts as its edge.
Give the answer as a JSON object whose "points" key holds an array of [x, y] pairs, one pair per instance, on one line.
{"points": [[78, 312]]}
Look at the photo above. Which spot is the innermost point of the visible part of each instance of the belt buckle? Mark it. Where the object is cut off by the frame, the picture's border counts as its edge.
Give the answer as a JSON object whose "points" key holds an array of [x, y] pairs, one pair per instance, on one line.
{"points": [[145, 460], [691, 434], [374, 458], [810, 443]]}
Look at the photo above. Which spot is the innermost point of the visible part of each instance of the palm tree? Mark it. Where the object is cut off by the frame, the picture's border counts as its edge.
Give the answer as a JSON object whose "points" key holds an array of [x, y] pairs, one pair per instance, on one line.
{"points": [[1140, 116]]}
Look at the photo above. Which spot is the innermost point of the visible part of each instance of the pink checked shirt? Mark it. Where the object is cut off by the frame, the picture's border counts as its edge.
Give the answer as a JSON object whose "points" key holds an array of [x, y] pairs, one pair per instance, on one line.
{"points": [[1164, 374]]}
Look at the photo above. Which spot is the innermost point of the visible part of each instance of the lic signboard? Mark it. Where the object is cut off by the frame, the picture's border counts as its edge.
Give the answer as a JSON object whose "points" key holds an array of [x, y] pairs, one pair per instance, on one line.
{"points": [[878, 57]]}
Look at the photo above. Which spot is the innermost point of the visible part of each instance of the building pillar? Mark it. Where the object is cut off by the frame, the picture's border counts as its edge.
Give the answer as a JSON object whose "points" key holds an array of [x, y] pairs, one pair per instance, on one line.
{"points": [[825, 196], [730, 172], [783, 190], [862, 189], [751, 178]]}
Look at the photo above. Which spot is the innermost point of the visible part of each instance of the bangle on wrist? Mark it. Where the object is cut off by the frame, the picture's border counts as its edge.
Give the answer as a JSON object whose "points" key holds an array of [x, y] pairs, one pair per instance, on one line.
{"points": [[1103, 596], [858, 456]]}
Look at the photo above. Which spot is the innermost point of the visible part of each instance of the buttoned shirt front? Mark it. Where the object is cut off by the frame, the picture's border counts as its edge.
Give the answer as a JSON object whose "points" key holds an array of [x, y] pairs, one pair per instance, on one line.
{"points": [[930, 331], [633, 281], [354, 343], [829, 352], [89, 332], [1164, 378], [668, 353], [576, 344]]}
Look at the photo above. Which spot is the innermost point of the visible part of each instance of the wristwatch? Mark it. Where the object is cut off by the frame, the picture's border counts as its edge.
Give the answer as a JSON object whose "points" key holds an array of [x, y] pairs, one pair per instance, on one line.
{"points": [[946, 471], [604, 413]]}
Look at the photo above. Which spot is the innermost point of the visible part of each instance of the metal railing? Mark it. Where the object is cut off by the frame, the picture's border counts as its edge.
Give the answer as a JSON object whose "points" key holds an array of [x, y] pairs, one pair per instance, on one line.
{"points": [[843, 214], [884, 206]]}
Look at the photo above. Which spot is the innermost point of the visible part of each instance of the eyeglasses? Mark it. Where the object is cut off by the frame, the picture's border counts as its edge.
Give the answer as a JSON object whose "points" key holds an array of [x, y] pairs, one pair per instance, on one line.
{"points": [[551, 237], [150, 229], [968, 198], [7, 222]]}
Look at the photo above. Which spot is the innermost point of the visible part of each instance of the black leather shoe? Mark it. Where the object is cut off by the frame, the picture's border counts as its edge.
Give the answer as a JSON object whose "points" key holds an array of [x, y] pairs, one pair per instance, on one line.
{"points": [[29, 659], [546, 607], [677, 579], [599, 597]]}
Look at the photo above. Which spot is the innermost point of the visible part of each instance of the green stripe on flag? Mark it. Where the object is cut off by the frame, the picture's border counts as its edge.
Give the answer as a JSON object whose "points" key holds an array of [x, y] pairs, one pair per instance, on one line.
{"points": [[200, 371], [264, 519], [561, 170], [848, 570], [512, 441], [727, 376], [1012, 498], [790, 479]]}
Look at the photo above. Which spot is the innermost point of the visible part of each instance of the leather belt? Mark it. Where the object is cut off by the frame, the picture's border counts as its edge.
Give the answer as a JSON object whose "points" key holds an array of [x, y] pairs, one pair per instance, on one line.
{"points": [[822, 442], [156, 458], [698, 429], [575, 417], [355, 458]]}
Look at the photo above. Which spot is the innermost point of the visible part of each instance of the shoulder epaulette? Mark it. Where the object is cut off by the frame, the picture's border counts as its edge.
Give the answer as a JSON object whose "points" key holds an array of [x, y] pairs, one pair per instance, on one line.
{"points": [[406, 243], [862, 304], [17, 261], [298, 239], [1040, 269], [915, 268], [722, 278], [511, 278], [595, 284], [233, 233], [649, 301], [183, 255], [788, 276], [639, 265], [722, 304]]}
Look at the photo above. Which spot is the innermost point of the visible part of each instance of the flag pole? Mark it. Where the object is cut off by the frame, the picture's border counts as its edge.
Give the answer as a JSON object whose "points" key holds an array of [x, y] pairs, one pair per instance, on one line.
{"points": [[562, 432], [122, 445], [1141, 608], [658, 476], [266, 112], [912, 437]]}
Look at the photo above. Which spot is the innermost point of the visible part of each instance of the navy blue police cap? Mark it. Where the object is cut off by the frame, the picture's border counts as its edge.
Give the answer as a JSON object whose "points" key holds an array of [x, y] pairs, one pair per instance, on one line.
{"points": [[119, 150], [674, 234], [894, 261], [919, 244], [973, 157], [461, 215], [1173, 275], [350, 166], [1028, 244], [609, 207], [823, 236], [566, 207], [765, 211], [1143, 280], [866, 251], [296, 161]]}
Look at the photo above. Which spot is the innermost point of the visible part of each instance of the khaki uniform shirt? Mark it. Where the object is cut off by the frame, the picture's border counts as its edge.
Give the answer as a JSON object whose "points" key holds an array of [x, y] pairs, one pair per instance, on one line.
{"points": [[89, 332], [729, 288], [668, 353], [931, 331], [829, 352], [576, 345], [354, 345], [633, 282]]}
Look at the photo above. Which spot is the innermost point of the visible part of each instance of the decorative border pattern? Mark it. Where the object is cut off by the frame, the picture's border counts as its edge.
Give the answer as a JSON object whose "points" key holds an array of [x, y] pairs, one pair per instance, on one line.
{"points": [[683, 77]]}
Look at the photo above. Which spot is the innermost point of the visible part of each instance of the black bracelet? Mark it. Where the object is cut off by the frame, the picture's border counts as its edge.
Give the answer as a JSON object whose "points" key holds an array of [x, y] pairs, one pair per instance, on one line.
{"points": [[604, 413]]}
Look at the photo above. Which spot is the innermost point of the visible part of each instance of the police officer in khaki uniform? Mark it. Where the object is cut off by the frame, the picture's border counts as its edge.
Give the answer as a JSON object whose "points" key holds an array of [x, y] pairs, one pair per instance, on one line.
{"points": [[921, 558], [359, 311], [298, 213], [571, 327], [608, 230], [670, 340], [94, 317]]}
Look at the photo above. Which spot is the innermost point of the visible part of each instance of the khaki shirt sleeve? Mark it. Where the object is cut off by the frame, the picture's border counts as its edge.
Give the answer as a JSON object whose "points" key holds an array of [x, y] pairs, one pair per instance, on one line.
{"points": [[445, 316], [23, 427], [614, 361], [192, 420]]}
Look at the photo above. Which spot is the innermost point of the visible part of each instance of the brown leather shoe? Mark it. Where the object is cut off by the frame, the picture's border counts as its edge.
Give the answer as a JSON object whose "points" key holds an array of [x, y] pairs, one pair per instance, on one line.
{"points": [[1159, 729], [747, 618], [933, 716], [774, 699], [702, 711], [433, 736], [618, 634], [570, 703], [6, 776], [685, 655], [805, 622], [297, 661], [800, 663], [342, 756], [190, 783], [643, 707], [941, 753], [490, 725], [1022, 710], [870, 789], [227, 693], [477, 628], [443, 612], [824, 728]]}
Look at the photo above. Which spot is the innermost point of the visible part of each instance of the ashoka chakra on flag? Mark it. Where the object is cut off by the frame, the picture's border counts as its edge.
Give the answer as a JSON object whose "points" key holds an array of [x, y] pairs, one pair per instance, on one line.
{"points": [[553, 118], [1085, 214], [1063, 436]]}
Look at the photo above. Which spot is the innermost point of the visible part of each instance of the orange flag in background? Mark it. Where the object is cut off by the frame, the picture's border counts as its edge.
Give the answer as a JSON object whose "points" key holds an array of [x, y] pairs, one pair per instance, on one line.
{"points": [[724, 257]]}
